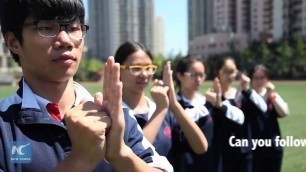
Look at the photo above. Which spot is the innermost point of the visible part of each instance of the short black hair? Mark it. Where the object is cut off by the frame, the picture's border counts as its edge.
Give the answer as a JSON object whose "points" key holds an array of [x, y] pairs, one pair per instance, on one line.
{"points": [[128, 48], [183, 66], [13, 13]]}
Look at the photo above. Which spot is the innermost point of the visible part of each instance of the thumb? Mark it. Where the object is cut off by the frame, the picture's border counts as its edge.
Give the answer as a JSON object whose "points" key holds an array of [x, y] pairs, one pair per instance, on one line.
{"points": [[166, 88], [217, 86], [98, 99]]}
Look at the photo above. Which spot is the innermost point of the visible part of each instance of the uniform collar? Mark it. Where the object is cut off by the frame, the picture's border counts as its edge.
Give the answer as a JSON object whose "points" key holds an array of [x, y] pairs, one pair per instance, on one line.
{"points": [[33, 107], [33, 101], [198, 101], [151, 105]]}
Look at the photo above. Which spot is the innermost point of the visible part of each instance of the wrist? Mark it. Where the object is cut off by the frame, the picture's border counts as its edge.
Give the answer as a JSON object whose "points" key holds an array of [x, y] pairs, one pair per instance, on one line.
{"points": [[218, 105], [162, 110], [123, 154], [246, 87], [218, 101], [174, 104], [272, 96], [75, 162]]}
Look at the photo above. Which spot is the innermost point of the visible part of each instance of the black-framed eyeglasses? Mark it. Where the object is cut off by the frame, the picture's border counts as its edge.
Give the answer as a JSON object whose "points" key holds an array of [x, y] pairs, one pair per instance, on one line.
{"points": [[195, 75], [51, 28]]}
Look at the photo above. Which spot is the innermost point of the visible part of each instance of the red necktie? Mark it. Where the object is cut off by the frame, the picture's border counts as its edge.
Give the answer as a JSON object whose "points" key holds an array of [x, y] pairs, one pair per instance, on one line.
{"points": [[53, 109]]}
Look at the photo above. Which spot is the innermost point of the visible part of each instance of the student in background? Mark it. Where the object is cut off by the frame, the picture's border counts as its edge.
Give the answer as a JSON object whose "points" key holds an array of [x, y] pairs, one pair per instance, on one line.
{"points": [[265, 124], [239, 157], [159, 118], [189, 76], [228, 158]]}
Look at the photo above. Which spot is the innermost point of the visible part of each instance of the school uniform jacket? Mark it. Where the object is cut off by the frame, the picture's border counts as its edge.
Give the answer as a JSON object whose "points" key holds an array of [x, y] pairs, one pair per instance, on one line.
{"points": [[264, 125], [199, 111], [164, 140], [243, 100], [24, 119]]}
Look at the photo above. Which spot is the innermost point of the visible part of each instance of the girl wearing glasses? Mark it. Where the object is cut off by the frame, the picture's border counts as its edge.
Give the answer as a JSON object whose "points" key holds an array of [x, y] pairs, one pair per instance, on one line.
{"points": [[189, 77], [234, 126], [264, 124], [158, 119]]}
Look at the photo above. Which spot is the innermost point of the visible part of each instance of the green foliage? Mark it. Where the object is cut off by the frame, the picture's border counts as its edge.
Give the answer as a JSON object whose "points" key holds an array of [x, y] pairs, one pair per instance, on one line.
{"points": [[89, 70], [160, 61], [92, 65], [285, 59]]}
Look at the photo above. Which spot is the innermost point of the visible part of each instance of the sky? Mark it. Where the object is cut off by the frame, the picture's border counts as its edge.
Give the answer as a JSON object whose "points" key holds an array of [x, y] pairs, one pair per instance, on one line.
{"points": [[174, 13]]}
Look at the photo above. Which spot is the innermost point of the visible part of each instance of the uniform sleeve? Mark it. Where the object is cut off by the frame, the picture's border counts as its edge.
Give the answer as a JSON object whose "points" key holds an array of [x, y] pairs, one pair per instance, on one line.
{"points": [[134, 138], [228, 116], [283, 103], [255, 99], [196, 113], [232, 113]]}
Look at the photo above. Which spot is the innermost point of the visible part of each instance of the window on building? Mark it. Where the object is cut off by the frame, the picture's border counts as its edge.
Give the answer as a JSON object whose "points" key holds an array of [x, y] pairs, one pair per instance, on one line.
{"points": [[212, 45]]}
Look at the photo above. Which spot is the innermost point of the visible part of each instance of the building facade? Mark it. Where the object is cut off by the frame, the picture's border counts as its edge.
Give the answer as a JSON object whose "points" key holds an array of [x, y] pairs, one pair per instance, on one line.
{"points": [[267, 20], [224, 16], [295, 18], [159, 36], [102, 38], [200, 18], [261, 20], [113, 22], [218, 43]]}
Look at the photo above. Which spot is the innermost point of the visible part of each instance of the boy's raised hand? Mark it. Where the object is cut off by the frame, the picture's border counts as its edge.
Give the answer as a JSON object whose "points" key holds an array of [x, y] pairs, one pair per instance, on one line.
{"points": [[112, 101], [87, 125]]}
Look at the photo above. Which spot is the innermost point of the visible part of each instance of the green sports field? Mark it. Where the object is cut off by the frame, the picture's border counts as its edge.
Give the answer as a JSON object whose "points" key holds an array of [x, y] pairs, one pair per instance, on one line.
{"points": [[294, 92]]}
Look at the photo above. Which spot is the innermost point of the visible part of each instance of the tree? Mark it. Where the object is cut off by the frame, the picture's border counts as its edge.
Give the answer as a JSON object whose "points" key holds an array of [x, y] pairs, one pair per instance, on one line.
{"points": [[298, 62], [159, 61], [89, 70], [282, 65]]}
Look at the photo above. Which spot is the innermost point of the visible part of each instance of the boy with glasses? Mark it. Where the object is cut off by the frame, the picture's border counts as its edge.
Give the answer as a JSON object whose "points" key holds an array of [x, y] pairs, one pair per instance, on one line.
{"points": [[53, 123]]}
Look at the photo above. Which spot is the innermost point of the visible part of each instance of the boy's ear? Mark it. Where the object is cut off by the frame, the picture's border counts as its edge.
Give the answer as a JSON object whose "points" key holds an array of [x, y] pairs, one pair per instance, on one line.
{"points": [[178, 76], [12, 42]]}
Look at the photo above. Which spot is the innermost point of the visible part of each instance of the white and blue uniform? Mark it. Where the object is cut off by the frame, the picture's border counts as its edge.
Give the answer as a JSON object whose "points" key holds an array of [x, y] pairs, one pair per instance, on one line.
{"points": [[23, 118], [264, 125], [164, 139], [230, 121], [200, 113]]}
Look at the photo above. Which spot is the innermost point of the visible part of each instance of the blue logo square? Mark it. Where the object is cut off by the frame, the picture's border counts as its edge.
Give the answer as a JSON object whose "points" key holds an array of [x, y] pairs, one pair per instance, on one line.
{"points": [[21, 152]]}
